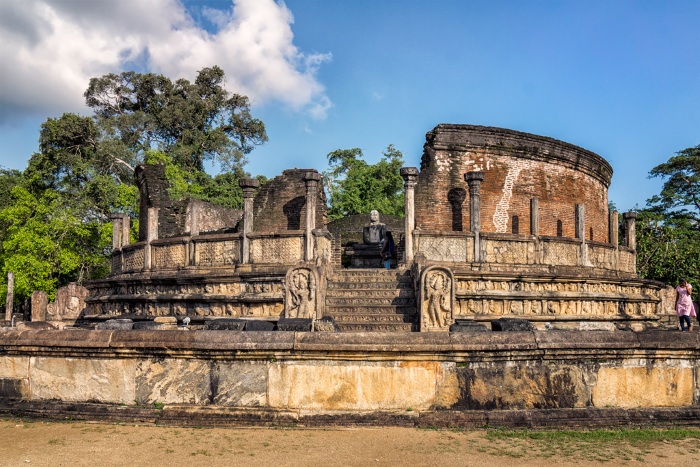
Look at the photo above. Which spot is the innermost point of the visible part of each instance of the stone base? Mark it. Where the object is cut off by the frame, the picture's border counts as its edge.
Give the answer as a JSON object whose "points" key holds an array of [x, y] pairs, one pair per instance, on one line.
{"points": [[365, 256], [213, 416]]}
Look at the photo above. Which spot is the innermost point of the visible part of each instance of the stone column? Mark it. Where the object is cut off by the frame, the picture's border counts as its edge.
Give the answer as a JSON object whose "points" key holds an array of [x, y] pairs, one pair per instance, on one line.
{"points": [[580, 222], [249, 186], [116, 231], [410, 176], [39, 305], [630, 230], [311, 180], [10, 295], [534, 217], [151, 234], [612, 228], [474, 180], [121, 227]]}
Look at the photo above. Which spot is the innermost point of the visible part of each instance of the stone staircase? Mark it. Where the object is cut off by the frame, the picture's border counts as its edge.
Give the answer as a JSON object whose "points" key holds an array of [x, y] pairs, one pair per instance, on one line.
{"points": [[372, 300]]}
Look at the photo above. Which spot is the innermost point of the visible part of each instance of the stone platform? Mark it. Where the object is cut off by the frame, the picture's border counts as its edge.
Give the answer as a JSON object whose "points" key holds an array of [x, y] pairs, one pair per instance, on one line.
{"points": [[536, 378]]}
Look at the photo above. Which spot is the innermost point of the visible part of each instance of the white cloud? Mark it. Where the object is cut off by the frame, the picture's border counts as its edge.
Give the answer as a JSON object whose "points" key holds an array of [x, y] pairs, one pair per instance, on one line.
{"points": [[49, 49]]}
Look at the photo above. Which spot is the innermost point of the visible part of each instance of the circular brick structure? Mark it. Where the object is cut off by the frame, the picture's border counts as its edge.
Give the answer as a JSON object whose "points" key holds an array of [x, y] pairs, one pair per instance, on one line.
{"points": [[517, 167]]}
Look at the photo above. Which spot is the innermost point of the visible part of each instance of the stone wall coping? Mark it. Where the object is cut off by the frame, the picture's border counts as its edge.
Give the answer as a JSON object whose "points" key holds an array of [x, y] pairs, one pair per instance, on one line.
{"points": [[507, 236], [596, 244], [442, 233], [215, 237], [555, 239], [133, 246], [370, 344], [285, 234], [171, 241]]}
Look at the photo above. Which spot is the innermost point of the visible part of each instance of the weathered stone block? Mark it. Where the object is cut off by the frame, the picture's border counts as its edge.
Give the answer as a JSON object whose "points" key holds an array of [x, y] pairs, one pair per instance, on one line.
{"points": [[325, 324], [521, 385], [115, 325], [14, 388], [152, 326], [241, 384], [225, 325], [80, 379], [596, 326], [468, 326], [294, 324], [511, 324], [258, 325], [352, 385], [630, 386], [173, 381]]}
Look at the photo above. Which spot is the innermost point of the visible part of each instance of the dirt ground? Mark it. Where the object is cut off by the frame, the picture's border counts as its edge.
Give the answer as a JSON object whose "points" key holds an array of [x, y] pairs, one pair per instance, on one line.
{"points": [[41, 443]]}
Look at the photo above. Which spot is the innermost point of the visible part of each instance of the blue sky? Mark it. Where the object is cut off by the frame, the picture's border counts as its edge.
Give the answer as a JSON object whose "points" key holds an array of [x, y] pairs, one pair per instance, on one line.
{"points": [[620, 78]]}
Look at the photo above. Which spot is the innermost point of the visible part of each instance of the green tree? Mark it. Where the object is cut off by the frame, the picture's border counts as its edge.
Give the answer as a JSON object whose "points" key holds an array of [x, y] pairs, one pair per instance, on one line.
{"points": [[191, 122], [48, 243], [668, 230], [356, 187]]}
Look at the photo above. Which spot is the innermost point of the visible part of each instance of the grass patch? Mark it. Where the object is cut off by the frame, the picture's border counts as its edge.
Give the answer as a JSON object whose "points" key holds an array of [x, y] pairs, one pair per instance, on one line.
{"points": [[602, 445]]}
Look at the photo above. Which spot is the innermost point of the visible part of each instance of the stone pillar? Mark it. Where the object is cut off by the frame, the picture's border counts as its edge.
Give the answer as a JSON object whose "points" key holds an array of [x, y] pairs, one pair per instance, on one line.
{"points": [[474, 180], [151, 234], [612, 228], [194, 219], [630, 230], [410, 176], [116, 231], [580, 222], [40, 304], [311, 180], [249, 186], [10, 295], [534, 216], [121, 227]]}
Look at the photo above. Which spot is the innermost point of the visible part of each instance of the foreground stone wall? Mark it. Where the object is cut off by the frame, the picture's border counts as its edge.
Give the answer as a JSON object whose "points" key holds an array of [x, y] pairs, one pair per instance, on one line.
{"points": [[329, 373]]}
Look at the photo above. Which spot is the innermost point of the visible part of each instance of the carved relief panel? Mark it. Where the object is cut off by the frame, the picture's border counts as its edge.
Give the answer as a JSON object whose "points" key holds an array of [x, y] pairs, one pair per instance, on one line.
{"points": [[301, 295], [437, 299]]}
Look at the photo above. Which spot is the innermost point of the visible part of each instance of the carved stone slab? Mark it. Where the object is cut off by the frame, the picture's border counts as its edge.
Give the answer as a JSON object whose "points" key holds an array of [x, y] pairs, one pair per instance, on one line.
{"points": [[437, 298], [301, 297]]}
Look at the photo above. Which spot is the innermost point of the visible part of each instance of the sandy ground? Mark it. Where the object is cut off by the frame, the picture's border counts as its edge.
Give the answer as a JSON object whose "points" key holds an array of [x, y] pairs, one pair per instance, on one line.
{"points": [[76, 444]]}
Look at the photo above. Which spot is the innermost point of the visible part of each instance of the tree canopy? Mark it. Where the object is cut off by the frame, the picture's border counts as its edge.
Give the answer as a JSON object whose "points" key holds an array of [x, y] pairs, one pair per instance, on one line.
{"points": [[356, 187], [668, 229], [55, 223], [192, 122]]}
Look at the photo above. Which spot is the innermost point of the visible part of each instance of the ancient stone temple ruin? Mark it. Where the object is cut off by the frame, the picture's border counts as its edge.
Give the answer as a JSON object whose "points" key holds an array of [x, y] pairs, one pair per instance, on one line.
{"points": [[498, 224], [512, 302]]}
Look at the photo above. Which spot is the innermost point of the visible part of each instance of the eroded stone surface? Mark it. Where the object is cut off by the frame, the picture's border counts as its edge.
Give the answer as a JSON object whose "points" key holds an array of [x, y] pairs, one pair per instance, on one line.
{"points": [[628, 386], [353, 386], [82, 379]]}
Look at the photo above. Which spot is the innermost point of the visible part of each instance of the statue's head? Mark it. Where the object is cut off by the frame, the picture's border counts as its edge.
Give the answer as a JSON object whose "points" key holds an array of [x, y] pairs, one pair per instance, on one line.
{"points": [[374, 215]]}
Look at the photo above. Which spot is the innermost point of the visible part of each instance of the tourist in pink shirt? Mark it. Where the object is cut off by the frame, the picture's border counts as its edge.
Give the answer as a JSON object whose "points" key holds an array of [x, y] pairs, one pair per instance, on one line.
{"points": [[684, 304]]}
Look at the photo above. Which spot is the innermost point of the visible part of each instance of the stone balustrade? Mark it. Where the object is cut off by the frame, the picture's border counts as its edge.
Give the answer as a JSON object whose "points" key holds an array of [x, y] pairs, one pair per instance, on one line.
{"points": [[524, 250]]}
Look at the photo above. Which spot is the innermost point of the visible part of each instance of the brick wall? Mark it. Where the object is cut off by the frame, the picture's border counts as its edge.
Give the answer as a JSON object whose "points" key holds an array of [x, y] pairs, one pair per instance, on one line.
{"points": [[517, 166], [280, 204]]}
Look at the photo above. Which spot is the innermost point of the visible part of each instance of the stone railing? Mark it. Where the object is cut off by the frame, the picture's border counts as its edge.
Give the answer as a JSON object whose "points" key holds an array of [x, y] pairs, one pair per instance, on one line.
{"points": [[445, 246], [528, 250], [217, 250]]}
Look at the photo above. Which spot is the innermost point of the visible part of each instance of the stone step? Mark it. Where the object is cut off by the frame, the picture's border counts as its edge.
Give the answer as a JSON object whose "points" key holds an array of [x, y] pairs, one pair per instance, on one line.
{"points": [[372, 318], [375, 327], [387, 294], [372, 309], [370, 285], [370, 301], [349, 275]]}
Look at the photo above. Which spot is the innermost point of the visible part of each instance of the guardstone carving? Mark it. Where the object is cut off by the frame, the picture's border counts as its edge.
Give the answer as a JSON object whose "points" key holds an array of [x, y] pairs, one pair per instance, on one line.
{"points": [[437, 299], [301, 297]]}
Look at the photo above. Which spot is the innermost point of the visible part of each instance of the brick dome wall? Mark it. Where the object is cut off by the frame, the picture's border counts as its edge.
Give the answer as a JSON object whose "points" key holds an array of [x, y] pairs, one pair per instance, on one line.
{"points": [[517, 167]]}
